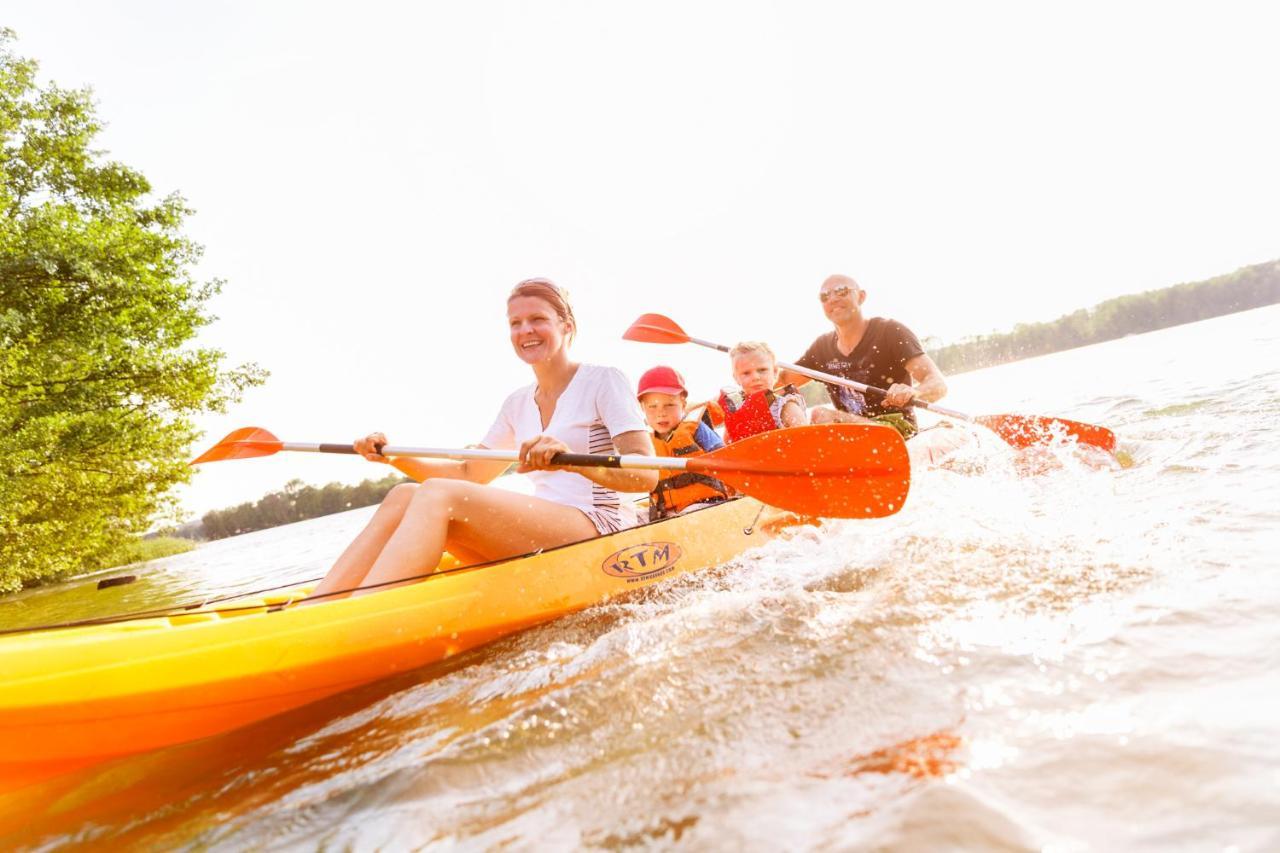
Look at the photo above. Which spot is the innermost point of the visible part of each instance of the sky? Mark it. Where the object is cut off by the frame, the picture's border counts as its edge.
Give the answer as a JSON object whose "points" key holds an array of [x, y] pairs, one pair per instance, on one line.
{"points": [[370, 180]]}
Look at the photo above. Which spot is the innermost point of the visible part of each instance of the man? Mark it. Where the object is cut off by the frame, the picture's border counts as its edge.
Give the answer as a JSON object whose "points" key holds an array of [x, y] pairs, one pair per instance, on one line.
{"points": [[875, 351]]}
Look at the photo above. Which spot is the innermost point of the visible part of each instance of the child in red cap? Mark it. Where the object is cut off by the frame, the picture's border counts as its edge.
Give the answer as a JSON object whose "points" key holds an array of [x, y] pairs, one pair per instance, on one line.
{"points": [[663, 397]]}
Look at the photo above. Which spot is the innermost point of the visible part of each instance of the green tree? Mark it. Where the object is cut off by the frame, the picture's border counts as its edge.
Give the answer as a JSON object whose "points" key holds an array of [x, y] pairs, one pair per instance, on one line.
{"points": [[1249, 287], [295, 502], [99, 379]]}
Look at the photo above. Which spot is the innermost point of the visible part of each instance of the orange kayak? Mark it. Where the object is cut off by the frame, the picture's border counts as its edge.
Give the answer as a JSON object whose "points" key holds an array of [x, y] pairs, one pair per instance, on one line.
{"points": [[73, 697]]}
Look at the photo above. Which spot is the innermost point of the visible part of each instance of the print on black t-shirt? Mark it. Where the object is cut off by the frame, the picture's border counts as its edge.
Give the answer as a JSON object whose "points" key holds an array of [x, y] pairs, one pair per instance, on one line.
{"points": [[879, 360]]}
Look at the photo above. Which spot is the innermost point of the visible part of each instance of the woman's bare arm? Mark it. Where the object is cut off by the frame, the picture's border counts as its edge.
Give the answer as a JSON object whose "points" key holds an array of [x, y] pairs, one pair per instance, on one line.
{"points": [[538, 451], [475, 470]]}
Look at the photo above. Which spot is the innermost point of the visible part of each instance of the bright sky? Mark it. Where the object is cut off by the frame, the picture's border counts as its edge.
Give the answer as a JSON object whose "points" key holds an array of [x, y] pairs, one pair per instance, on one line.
{"points": [[370, 179]]}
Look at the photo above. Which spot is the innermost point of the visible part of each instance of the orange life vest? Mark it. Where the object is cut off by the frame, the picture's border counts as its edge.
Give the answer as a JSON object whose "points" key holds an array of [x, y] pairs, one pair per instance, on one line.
{"points": [[677, 490], [755, 413]]}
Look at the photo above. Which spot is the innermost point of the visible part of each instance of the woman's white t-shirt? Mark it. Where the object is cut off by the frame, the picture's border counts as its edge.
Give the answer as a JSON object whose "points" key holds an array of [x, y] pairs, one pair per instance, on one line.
{"points": [[598, 404]]}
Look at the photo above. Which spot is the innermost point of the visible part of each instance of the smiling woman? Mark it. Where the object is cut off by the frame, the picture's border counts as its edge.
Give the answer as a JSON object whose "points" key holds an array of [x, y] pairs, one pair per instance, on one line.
{"points": [[571, 407]]}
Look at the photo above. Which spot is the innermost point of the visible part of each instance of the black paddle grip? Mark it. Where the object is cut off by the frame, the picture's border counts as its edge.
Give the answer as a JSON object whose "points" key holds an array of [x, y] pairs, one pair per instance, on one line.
{"points": [[592, 460], [338, 448]]}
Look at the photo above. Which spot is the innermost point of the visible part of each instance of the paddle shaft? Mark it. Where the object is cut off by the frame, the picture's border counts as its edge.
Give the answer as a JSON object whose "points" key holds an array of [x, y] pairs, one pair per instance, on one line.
{"points": [[584, 460], [848, 383], [831, 470]]}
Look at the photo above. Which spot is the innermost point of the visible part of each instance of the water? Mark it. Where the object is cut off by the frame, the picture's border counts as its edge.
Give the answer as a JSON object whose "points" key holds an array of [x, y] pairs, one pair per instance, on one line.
{"points": [[1083, 660]]}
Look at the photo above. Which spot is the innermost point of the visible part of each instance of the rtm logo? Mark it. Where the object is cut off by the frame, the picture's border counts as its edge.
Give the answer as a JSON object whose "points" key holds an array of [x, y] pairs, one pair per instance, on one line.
{"points": [[641, 562]]}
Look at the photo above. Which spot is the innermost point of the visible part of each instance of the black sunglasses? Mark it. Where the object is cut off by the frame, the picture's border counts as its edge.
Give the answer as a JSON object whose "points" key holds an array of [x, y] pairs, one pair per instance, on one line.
{"points": [[834, 293]]}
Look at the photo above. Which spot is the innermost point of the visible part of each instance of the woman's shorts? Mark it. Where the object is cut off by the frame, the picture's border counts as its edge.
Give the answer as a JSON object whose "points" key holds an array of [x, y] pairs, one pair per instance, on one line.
{"points": [[609, 519]]}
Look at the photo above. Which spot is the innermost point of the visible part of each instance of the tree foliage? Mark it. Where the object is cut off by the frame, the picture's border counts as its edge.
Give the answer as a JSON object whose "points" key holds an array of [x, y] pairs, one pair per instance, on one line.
{"points": [[98, 311], [1250, 287], [296, 502]]}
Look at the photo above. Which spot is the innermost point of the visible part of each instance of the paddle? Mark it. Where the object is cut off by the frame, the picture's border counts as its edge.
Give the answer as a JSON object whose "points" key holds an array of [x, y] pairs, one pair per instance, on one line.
{"points": [[831, 470], [1017, 430]]}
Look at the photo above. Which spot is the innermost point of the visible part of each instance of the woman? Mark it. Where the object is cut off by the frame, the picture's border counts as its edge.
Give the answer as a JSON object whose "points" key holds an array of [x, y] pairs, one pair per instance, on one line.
{"points": [[571, 407]]}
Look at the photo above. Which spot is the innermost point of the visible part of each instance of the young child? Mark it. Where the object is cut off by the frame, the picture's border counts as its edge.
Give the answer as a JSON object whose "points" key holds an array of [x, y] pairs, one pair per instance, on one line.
{"points": [[662, 397], [757, 407]]}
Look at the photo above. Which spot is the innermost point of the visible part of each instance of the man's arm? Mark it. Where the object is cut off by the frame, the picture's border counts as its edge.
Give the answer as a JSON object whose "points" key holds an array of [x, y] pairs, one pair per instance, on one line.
{"points": [[790, 377], [931, 385], [810, 360]]}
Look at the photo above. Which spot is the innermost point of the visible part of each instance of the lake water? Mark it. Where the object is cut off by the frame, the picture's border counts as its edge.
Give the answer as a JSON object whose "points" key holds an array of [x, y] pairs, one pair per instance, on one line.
{"points": [[1085, 660]]}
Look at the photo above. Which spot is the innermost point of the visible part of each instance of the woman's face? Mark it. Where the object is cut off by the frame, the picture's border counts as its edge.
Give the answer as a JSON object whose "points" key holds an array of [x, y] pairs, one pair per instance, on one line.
{"points": [[537, 332]]}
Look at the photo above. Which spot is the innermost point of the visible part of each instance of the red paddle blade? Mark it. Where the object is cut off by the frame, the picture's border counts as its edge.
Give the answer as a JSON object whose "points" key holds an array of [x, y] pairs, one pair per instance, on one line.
{"points": [[655, 329], [828, 470], [1031, 430], [244, 443]]}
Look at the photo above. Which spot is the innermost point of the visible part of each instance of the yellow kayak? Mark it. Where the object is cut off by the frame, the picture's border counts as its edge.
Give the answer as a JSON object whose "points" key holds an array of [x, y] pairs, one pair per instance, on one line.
{"points": [[72, 697]]}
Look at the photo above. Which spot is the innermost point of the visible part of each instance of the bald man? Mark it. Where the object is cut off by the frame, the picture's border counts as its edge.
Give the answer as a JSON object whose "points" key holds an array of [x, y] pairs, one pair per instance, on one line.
{"points": [[875, 351]]}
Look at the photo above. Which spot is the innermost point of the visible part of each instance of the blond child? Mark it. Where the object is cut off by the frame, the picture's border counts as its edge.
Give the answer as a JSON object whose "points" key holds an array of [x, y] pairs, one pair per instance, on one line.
{"points": [[755, 406]]}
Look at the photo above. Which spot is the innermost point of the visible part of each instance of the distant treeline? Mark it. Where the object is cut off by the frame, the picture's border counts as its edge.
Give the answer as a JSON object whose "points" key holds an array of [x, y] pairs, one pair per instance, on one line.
{"points": [[1250, 287], [296, 502]]}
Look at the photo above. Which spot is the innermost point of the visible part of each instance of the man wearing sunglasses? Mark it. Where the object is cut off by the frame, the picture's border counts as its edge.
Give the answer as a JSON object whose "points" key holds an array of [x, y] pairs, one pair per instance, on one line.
{"points": [[875, 351]]}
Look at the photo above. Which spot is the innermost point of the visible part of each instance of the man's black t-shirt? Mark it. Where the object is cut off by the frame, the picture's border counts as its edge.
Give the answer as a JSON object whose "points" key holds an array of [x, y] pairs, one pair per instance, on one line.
{"points": [[879, 360]]}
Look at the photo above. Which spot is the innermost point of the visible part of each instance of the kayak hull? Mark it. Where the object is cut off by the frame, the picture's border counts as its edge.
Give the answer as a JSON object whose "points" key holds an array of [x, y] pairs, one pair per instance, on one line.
{"points": [[935, 445], [79, 696]]}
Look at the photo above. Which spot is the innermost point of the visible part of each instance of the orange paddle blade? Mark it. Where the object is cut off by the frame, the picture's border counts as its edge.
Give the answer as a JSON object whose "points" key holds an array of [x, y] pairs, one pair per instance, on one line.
{"points": [[244, 443], [1031, 430], [655, 329], [828, 470]]}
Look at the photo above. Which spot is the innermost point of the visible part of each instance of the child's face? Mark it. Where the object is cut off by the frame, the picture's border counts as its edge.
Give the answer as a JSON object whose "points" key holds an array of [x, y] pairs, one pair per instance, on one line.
{"points": [[755, 371], [662, 411]]}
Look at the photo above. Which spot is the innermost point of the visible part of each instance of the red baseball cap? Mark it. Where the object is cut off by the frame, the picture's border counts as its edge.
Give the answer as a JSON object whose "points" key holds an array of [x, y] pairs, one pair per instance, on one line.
{"points": [[661, 380]]}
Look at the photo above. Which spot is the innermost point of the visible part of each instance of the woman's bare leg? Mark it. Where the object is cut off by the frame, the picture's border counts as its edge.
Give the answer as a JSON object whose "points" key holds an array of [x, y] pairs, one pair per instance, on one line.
{"points": [[350, 569], [491, 522]]}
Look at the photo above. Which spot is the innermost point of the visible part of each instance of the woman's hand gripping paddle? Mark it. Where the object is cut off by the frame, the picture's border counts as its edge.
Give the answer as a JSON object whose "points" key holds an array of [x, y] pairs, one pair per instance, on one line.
{"points": [[1018, 430], [831, 471]]}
